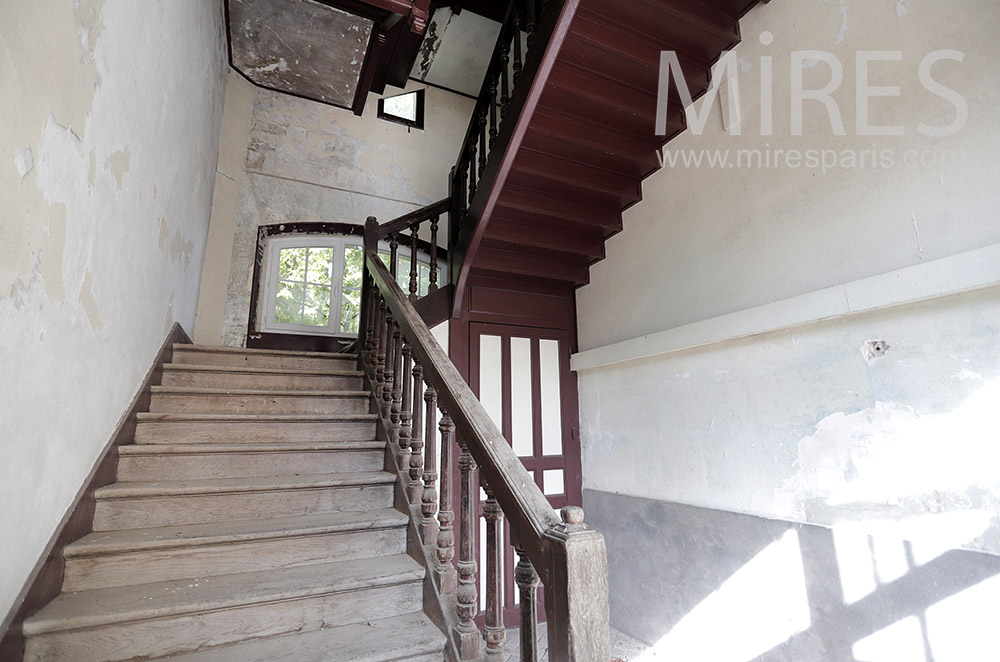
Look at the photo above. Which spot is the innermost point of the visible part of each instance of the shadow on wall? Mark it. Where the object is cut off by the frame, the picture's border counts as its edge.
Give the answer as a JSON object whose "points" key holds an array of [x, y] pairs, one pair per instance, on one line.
{"points": [[705, 585]]}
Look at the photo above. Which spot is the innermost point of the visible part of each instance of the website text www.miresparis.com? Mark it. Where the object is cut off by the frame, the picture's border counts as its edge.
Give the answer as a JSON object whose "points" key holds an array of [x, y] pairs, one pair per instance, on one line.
{"points": [[819, 160]]}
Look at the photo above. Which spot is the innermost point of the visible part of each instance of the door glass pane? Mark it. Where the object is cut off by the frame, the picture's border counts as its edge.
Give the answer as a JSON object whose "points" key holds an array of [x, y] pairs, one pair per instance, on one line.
{"points": [[350, 311], [319, 265], [521, 413], [550, 400], [288, 307], [552, 481], [490, 388], [292, 264], [353, 266], [317, 308]]}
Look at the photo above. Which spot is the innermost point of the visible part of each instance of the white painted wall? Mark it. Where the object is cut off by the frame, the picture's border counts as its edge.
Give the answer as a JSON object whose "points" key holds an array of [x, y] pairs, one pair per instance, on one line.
{"points": [[304, 161], [796, 423], [109, 131]]}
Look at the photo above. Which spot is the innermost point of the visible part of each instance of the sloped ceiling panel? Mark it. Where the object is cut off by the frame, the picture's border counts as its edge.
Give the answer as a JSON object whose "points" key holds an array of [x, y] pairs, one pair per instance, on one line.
{"points": [[300, 47]]}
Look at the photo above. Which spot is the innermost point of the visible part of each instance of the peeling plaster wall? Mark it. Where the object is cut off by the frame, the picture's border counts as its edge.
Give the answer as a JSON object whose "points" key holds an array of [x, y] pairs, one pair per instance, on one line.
{"points": [[306, 161], [806, 424], [109, 133]]}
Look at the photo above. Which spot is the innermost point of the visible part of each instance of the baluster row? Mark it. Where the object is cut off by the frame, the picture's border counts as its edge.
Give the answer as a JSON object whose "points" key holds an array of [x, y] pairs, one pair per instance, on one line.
{"points": [[408, 404], [502, 80]]}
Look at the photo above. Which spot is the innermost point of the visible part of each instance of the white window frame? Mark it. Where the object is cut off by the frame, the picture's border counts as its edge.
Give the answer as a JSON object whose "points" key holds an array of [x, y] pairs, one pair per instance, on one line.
{"points": [[272, 272]]}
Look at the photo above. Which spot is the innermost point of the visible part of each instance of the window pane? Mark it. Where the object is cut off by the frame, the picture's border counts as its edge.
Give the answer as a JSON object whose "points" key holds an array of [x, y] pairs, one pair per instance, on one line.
{"points": [[292, 264], [403, 273], [320, 265], [317, 309], [405, 106], [353, 264], [350, 311], [424, 278], [288, 307]]}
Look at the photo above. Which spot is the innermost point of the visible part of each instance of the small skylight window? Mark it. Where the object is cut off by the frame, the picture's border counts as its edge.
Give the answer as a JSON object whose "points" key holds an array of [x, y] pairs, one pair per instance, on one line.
{"points": [[405, 109]]}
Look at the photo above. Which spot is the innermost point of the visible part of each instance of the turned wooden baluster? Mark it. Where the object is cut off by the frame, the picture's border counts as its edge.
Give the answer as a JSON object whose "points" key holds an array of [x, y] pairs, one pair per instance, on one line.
{"points": [[517, 66], [532, 24], [527, 583], [493, 111], [494, 632], [393, 255], [387, 365], [396, 394], [416, 466], [381, 347], [446, 516], [433, 276], [483, 131], [413, 261], [504, 79], [428, 498], [406, 411], [369, 330], [472, 170], [467, 632]]}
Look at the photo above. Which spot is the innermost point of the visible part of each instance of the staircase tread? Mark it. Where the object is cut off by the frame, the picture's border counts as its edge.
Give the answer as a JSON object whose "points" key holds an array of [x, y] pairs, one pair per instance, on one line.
{"points": [[251, 418], [107, 606], [383, 640], [122, 490], [276, 392], [240, 369], [133, 540], [277, 447], [261, 352]]}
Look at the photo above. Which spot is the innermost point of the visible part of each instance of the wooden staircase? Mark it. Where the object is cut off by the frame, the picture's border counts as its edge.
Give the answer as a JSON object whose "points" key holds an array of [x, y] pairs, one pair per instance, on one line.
{"points": [[253, 520], [542, 184]]}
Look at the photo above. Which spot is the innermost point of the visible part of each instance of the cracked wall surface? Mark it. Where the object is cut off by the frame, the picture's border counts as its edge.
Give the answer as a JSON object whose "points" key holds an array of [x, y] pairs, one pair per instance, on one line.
{"points": [[876, 420], [108, 143], [303, 161]]}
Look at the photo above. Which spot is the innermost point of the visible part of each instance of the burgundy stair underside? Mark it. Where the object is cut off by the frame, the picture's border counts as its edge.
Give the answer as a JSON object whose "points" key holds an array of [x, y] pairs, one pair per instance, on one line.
{"points": [[591, 140]]}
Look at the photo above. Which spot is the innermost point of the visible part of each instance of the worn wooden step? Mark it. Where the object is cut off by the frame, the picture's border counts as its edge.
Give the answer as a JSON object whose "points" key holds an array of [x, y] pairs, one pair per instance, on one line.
{"points": [[263, 358], [410, 637], [250, 428], [546, 167], [148, 462], [157, 620], [240, 377], [127, 505], [590, 246], [517, 262], [691, 26], [526, 204], [144, 556], [192, 400]]}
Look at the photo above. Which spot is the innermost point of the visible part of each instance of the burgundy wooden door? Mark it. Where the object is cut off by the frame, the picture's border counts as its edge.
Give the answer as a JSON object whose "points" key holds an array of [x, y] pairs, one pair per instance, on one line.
{"points": [[522, 377]]}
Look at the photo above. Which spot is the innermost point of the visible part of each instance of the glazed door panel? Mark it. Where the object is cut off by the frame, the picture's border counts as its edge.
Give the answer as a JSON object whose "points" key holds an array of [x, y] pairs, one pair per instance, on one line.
{"points": [[522, 377]]}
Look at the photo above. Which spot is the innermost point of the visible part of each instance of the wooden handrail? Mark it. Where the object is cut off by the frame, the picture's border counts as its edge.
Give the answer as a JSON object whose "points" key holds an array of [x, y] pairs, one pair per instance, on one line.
{"points": [[405, 221], [496, 459], [569, 557]]}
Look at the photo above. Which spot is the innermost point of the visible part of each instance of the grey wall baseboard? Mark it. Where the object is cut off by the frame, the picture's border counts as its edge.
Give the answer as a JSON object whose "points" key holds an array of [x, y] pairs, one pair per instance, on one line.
{"points": [[664, 559]]}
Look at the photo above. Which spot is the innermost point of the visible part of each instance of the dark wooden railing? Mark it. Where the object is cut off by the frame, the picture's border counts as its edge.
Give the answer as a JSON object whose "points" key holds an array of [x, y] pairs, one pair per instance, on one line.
{"points": [[516, 56], [405, 231], [412, 379]]}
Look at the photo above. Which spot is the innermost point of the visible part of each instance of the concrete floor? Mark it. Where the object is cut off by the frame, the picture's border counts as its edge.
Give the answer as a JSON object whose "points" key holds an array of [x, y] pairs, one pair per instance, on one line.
{"points": [[623, 647]]}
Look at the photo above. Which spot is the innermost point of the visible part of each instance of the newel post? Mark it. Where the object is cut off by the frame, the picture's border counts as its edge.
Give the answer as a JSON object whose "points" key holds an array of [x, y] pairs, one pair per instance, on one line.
{"points": [[576, 596]]}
